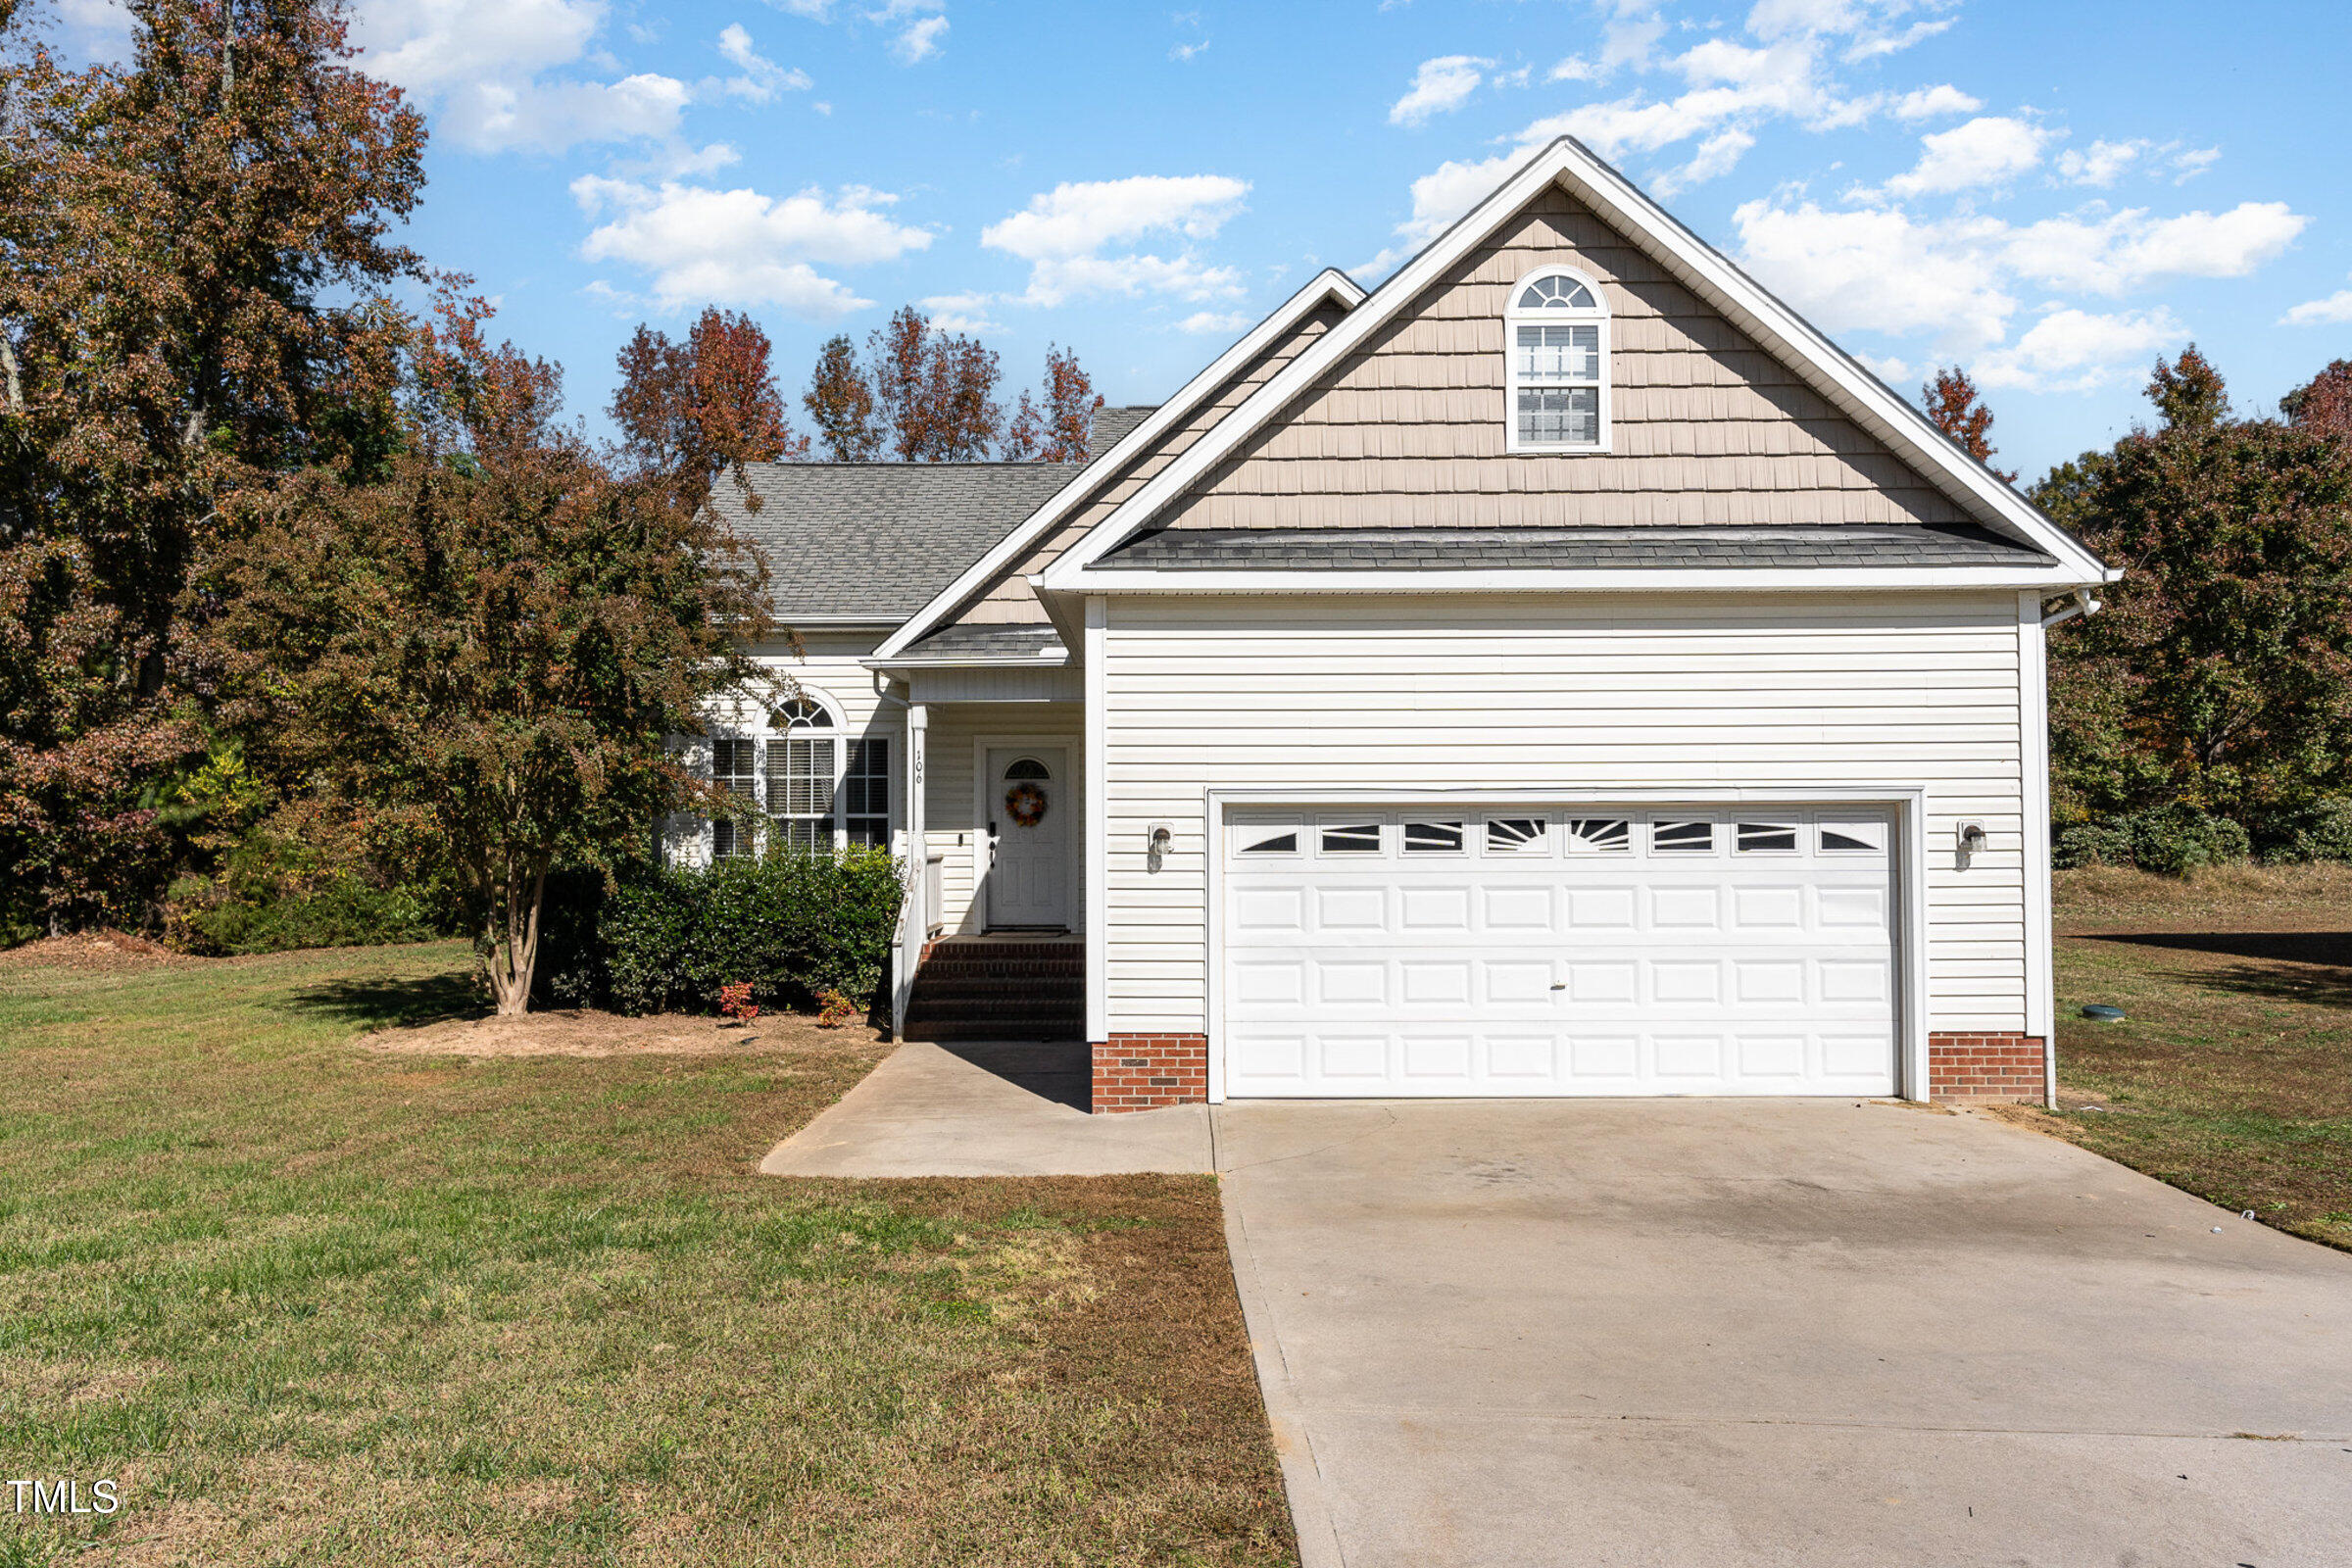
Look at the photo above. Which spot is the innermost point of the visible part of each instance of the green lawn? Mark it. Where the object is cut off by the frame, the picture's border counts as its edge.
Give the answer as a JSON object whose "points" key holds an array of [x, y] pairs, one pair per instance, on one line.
{"points": [[2233, 1076], [311, 1303]]}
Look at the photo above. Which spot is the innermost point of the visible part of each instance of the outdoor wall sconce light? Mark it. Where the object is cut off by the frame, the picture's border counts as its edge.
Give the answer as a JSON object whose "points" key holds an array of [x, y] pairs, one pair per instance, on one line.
{"points": [[1971, 836], [1158, 844]]}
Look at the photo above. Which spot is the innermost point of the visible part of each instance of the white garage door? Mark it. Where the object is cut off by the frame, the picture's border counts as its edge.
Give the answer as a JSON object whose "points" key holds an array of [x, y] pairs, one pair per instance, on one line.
{"points": [[1570, 951]]}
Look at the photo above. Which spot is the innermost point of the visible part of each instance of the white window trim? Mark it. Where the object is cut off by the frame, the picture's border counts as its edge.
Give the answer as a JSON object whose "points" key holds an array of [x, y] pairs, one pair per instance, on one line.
{"points": [[1513, 318], [843, 738]]}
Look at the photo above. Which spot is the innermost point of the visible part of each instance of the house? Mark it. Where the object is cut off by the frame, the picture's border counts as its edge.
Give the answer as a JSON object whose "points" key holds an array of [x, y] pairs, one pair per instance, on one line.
{"points": [[1558, 671]]}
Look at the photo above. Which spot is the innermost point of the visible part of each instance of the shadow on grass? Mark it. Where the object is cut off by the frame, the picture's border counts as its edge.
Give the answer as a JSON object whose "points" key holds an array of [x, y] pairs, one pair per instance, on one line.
{"points": [[2280, 947], [2308, 966], [382, 1003]]}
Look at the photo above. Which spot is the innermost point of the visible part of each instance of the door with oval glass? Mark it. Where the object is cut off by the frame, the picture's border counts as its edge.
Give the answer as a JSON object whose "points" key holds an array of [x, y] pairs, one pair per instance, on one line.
{"points": [[1029, 833]]}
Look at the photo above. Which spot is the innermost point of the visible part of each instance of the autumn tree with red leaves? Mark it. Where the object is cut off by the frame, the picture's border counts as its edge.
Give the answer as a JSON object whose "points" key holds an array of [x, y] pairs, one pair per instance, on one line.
{"points": [[840, 401], [689, 412], [921, 395], [495, 639], [2219, 676], [1954, 406], [2324, 403], [195, 300], [1060, 427]]}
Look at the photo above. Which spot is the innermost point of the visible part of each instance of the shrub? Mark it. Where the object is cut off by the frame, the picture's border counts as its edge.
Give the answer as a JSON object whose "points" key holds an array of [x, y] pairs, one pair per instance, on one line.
{"points": [[2167, 840], [2318, 831], [272, 894], [791, 924]]}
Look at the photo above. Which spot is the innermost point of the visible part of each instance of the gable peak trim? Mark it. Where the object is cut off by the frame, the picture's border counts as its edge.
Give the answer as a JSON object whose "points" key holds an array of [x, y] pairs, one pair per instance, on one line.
{"points": [[1776, 329]]}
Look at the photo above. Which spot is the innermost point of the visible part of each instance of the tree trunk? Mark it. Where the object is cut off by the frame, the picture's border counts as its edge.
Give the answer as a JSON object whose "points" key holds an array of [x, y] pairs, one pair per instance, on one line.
{"points": [[514, 956]]}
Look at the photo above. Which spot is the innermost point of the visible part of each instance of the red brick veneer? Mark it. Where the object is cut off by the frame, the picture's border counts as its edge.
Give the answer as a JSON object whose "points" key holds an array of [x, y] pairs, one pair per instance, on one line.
{"points": [[1985, 1067], [1140, 1072]]}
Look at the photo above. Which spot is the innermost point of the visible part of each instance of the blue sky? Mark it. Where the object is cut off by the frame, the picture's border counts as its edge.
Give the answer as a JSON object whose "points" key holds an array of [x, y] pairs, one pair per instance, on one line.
{"points": [[2051, 193]]}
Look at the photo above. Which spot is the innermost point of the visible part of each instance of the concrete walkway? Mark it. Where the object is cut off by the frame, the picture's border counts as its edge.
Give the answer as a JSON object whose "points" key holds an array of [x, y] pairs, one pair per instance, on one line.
{"points": [[985, 1111], [1742, 1333]]}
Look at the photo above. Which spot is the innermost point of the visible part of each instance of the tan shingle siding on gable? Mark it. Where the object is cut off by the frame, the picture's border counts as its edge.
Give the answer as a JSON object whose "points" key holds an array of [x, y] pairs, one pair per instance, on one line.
{"points": [[1410, 430], [1008, 600]]}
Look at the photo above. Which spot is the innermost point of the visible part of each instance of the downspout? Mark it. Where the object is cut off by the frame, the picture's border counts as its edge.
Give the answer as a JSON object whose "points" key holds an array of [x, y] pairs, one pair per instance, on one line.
{"points": [[2080, 604]]}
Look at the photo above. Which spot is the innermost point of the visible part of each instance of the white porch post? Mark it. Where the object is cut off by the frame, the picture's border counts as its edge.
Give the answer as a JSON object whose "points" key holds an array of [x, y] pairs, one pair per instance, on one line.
{"points": [[914, 911]]}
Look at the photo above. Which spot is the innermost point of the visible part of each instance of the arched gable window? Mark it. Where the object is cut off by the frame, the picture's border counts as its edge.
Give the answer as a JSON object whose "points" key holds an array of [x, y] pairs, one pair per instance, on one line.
{"points": [[1556, 326]]}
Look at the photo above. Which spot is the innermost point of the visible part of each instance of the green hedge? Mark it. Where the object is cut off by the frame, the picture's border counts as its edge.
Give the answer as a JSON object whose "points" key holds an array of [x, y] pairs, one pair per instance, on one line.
{"points": [[272, 894], [792, 924], [2169, 840]]}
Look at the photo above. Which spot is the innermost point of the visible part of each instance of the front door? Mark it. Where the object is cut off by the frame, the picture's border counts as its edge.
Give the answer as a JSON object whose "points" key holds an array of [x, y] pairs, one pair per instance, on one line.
{"points": [[1029, 826]]}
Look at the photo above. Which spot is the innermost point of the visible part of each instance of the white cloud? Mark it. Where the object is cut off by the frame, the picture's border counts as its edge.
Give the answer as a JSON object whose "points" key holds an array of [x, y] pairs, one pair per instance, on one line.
{"points": [[1984, 151], [762, 79], [2191, 163], [1186, 51], [1716, 156], [2100, 164], [1063, 233], [2073, 351], [2335, 307], [1931, 103], [1876, 270], [1572, 69], [483, 66], [920, 25], [920, 40], [740, 247], [1880, 269], [1440, 87], [2118, 252], [1887, 368], [1221, 321], [811, 10], [962, 312]]}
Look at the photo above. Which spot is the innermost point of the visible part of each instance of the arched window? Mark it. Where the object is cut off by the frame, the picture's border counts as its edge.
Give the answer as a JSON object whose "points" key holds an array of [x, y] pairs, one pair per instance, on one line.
{"points": [[1556, 326], [1028, 768], [824, 787], [803, 768]]}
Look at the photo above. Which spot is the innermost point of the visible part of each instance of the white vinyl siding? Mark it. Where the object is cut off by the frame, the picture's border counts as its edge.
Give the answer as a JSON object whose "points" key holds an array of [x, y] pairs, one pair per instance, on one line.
{"points": [[1573, 694], [950, 802], [831, 669]]}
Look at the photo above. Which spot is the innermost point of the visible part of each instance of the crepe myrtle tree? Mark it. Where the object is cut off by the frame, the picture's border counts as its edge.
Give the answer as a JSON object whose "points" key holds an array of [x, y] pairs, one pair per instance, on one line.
{"points": [[497, 640]]}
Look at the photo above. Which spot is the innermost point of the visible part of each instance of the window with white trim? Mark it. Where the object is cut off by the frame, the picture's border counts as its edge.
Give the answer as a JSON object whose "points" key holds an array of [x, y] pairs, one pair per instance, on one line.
{"points": [[734, 767], [1556, 332], [865, 793], [803, 770]]}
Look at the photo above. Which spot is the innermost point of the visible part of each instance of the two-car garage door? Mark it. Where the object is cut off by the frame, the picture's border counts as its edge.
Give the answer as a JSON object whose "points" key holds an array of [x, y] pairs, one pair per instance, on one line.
{"points": [[1558, 950]]}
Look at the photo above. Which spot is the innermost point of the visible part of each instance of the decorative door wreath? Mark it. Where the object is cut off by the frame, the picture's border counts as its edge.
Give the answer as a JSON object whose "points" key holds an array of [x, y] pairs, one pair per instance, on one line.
{"points": [[1025, 804]]}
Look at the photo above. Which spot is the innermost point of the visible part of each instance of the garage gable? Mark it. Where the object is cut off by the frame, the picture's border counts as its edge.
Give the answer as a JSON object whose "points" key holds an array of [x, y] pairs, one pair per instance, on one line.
{"points": [[1718, 407], [1411, 428]]}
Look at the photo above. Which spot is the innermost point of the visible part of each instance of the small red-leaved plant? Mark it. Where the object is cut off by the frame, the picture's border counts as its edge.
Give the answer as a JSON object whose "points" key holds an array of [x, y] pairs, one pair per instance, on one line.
{"points": [[736, 1003], [834, 1009]]}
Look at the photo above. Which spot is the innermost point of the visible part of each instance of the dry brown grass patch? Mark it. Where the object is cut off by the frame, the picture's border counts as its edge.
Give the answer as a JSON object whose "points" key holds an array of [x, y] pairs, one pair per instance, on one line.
{"points": [[590, 1034]]}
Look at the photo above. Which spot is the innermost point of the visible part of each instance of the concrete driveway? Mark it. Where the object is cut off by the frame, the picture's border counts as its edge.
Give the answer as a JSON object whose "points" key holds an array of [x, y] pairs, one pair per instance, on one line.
{"points": [[1720, 1333]]}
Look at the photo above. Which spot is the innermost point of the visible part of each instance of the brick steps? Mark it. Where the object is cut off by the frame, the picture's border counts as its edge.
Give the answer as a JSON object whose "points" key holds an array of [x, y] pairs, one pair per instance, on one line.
{"points": [[999, 989]]}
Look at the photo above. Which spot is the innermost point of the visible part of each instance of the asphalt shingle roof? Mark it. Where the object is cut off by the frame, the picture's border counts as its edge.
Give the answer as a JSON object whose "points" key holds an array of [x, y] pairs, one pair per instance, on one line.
{"points": [[1657, 547], [882, 539], [977, 641]]}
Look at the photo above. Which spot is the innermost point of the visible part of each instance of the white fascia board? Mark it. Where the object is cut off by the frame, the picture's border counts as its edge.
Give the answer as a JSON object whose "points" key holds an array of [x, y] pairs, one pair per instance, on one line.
{"points": [[1776, 327], [1329, 284], [1059, 661], [1728, 579]]}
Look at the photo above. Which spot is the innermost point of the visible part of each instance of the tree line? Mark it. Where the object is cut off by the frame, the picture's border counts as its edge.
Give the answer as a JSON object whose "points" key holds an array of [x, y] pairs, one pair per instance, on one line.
{"points": [[311, 598], [2205, 713]]}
